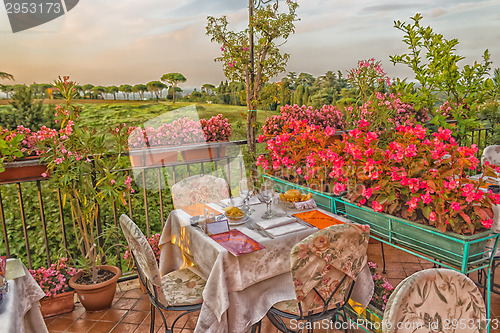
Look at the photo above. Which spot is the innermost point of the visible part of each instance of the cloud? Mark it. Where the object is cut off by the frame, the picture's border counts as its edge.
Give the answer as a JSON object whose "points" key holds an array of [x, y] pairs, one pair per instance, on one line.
{"points": [[390, 7]]}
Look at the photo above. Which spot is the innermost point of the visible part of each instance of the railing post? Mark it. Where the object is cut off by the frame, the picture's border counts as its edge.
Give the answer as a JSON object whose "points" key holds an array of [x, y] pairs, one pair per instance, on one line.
{"points": [[25, 227], [4, 227], [42, 218]]}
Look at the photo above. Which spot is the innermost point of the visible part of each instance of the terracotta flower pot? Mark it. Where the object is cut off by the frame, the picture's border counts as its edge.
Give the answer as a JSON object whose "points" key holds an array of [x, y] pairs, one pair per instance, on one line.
{"points": [[217, 152], [151, 156], [27, 168], [99, 296], [58, 304], [195, 154]]}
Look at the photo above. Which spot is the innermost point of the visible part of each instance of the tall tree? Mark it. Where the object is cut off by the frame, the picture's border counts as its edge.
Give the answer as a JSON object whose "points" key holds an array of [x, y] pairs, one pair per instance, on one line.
{"points": [[173, 79], [141, 89], [126, 89], [112, 90], [254, 66], [155, 87], [99, 91], [207, 88]]}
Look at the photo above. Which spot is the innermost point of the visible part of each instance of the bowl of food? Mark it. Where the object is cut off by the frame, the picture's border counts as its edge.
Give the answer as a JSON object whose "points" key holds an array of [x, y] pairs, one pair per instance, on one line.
{"points": [[235, 215], [290, 197]]}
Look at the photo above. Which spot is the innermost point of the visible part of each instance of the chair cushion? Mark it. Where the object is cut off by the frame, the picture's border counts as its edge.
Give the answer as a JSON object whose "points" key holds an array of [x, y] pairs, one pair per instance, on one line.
{"points": [[199, 189], [288, 306], [182, 287], [436, 300]]}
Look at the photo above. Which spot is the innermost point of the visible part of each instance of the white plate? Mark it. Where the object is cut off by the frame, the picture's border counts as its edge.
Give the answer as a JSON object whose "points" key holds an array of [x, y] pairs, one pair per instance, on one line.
{"points": [[232, 223]]}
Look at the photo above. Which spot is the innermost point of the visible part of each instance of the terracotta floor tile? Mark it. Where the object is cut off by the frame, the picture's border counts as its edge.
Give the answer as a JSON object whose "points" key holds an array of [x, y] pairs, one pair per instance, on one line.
{"points": [[135, 317], [134, 293], [125, 328], [102, 327], [192, 320], [75, 314], [158, 320], [81, 325], [60, 324], [142, 305], [124, 303], [92, 315], [113, 315]]}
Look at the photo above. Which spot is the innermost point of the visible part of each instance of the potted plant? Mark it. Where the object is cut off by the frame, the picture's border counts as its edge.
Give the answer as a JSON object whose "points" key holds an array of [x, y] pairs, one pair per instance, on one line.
{"points": [[82, 165], [54, 282], [17, 145], [413, 186], [149, 146], [154, 242], [216, 129]]}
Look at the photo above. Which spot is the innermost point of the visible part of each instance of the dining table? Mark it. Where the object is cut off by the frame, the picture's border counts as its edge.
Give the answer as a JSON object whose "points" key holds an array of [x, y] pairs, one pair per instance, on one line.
{"points": [[20, 307], [240, 289]]}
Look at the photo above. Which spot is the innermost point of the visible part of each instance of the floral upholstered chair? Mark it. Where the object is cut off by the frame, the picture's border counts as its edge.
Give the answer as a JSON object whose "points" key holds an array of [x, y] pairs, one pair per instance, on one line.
{"points": [[179, 290], [324, 268], [199, 189], [491, 154], [435, 300]]}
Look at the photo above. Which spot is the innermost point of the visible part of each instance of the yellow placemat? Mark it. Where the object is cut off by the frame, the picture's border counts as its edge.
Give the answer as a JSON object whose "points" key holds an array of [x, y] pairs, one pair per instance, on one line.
{"points": [[199, 209]]}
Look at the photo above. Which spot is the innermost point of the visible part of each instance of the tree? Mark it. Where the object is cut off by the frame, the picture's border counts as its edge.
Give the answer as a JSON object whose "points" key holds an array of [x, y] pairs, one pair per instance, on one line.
{"points": [[126, 89], [155, 87], [255, 66], [6, 76], [141, 89], [99, 91], [27, 111], [173, 79], [112, 90], [432, 59], [207, 88], [299, 94], [87, 89]]}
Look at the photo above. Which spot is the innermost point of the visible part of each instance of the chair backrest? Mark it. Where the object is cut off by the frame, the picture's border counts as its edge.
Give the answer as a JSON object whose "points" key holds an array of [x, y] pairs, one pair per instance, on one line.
{"points": [[435, 298], [140, 248], [491, 154], [325, 264], [199, 189]]}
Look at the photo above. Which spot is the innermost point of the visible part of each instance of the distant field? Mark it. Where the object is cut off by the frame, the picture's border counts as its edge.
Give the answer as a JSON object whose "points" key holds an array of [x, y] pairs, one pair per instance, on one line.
{"points": [[102, 114]]}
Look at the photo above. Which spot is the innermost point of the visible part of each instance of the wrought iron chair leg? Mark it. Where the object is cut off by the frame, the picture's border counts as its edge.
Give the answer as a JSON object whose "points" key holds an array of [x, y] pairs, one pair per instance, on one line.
{"points": [[152, 316]]}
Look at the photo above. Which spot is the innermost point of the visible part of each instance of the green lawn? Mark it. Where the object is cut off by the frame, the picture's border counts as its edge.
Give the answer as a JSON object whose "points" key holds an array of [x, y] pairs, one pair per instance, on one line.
{"points": [[104, 114]]}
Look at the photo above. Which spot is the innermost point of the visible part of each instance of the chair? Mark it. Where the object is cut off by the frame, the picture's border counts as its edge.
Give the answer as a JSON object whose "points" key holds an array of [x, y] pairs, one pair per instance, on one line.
{"points": [[179, 290], [199, 189], [491, 154], [435, 300], [324, 268]]}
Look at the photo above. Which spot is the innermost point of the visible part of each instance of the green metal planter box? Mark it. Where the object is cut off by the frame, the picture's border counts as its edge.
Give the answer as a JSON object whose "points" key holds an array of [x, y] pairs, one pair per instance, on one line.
{"points": [[324, 200], [447, 247]]}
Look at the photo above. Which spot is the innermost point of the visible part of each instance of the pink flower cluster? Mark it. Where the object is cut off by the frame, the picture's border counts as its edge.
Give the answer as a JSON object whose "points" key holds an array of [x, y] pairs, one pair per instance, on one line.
{"points": [[327, 116], [382, 290], [182, 131], [54, 280], [154, 242], [217, 128]]}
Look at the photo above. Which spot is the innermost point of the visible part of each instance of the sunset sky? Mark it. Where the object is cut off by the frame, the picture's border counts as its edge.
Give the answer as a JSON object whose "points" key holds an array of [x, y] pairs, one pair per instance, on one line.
{"points": [[107, 42]]}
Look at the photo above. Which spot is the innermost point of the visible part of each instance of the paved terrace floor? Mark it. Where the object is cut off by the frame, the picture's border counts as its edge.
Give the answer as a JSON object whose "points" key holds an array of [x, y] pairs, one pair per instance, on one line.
{"points": [[130, 312]]}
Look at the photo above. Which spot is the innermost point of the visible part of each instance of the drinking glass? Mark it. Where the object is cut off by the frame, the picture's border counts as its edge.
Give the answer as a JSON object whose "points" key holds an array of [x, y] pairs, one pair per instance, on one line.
{"points": [[246, 190], [267, 194]]}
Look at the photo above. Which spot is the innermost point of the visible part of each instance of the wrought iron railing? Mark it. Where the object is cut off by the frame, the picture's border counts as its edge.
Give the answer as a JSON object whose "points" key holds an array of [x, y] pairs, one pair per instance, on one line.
{"points": [[36, 226]]}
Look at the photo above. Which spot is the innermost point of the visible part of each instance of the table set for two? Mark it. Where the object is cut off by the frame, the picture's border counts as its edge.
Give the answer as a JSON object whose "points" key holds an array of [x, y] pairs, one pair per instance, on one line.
{"points": [[247, 267]]}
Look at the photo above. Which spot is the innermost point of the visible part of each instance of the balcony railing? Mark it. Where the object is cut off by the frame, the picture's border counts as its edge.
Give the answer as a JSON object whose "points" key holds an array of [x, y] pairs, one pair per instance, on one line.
{"points": [[36, 226]]}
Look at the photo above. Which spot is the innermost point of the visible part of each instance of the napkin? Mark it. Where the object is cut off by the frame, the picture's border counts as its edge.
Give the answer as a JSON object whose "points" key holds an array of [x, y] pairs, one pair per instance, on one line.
{"points": [[275, 222], [285, 229]]}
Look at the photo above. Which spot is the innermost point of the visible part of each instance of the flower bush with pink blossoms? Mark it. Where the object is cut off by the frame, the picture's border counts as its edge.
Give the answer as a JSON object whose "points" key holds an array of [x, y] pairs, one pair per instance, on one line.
{"points": [[181, 131], [217, 128], [154, 242], [382, 289], [54, 280]]}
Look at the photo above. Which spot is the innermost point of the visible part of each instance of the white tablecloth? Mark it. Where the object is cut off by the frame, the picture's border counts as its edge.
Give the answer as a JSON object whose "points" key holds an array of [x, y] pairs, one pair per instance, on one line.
{"points": [[240, 290], [20, 309]]}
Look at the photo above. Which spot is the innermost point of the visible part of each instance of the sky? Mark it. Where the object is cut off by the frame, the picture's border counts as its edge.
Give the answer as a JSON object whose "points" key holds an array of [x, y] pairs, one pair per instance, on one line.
{"points": [[114, 42]]}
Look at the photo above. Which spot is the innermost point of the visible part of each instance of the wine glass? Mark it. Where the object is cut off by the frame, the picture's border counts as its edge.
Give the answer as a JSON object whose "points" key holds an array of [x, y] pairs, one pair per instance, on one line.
{"points": [[267, 194], [246, 190]]}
